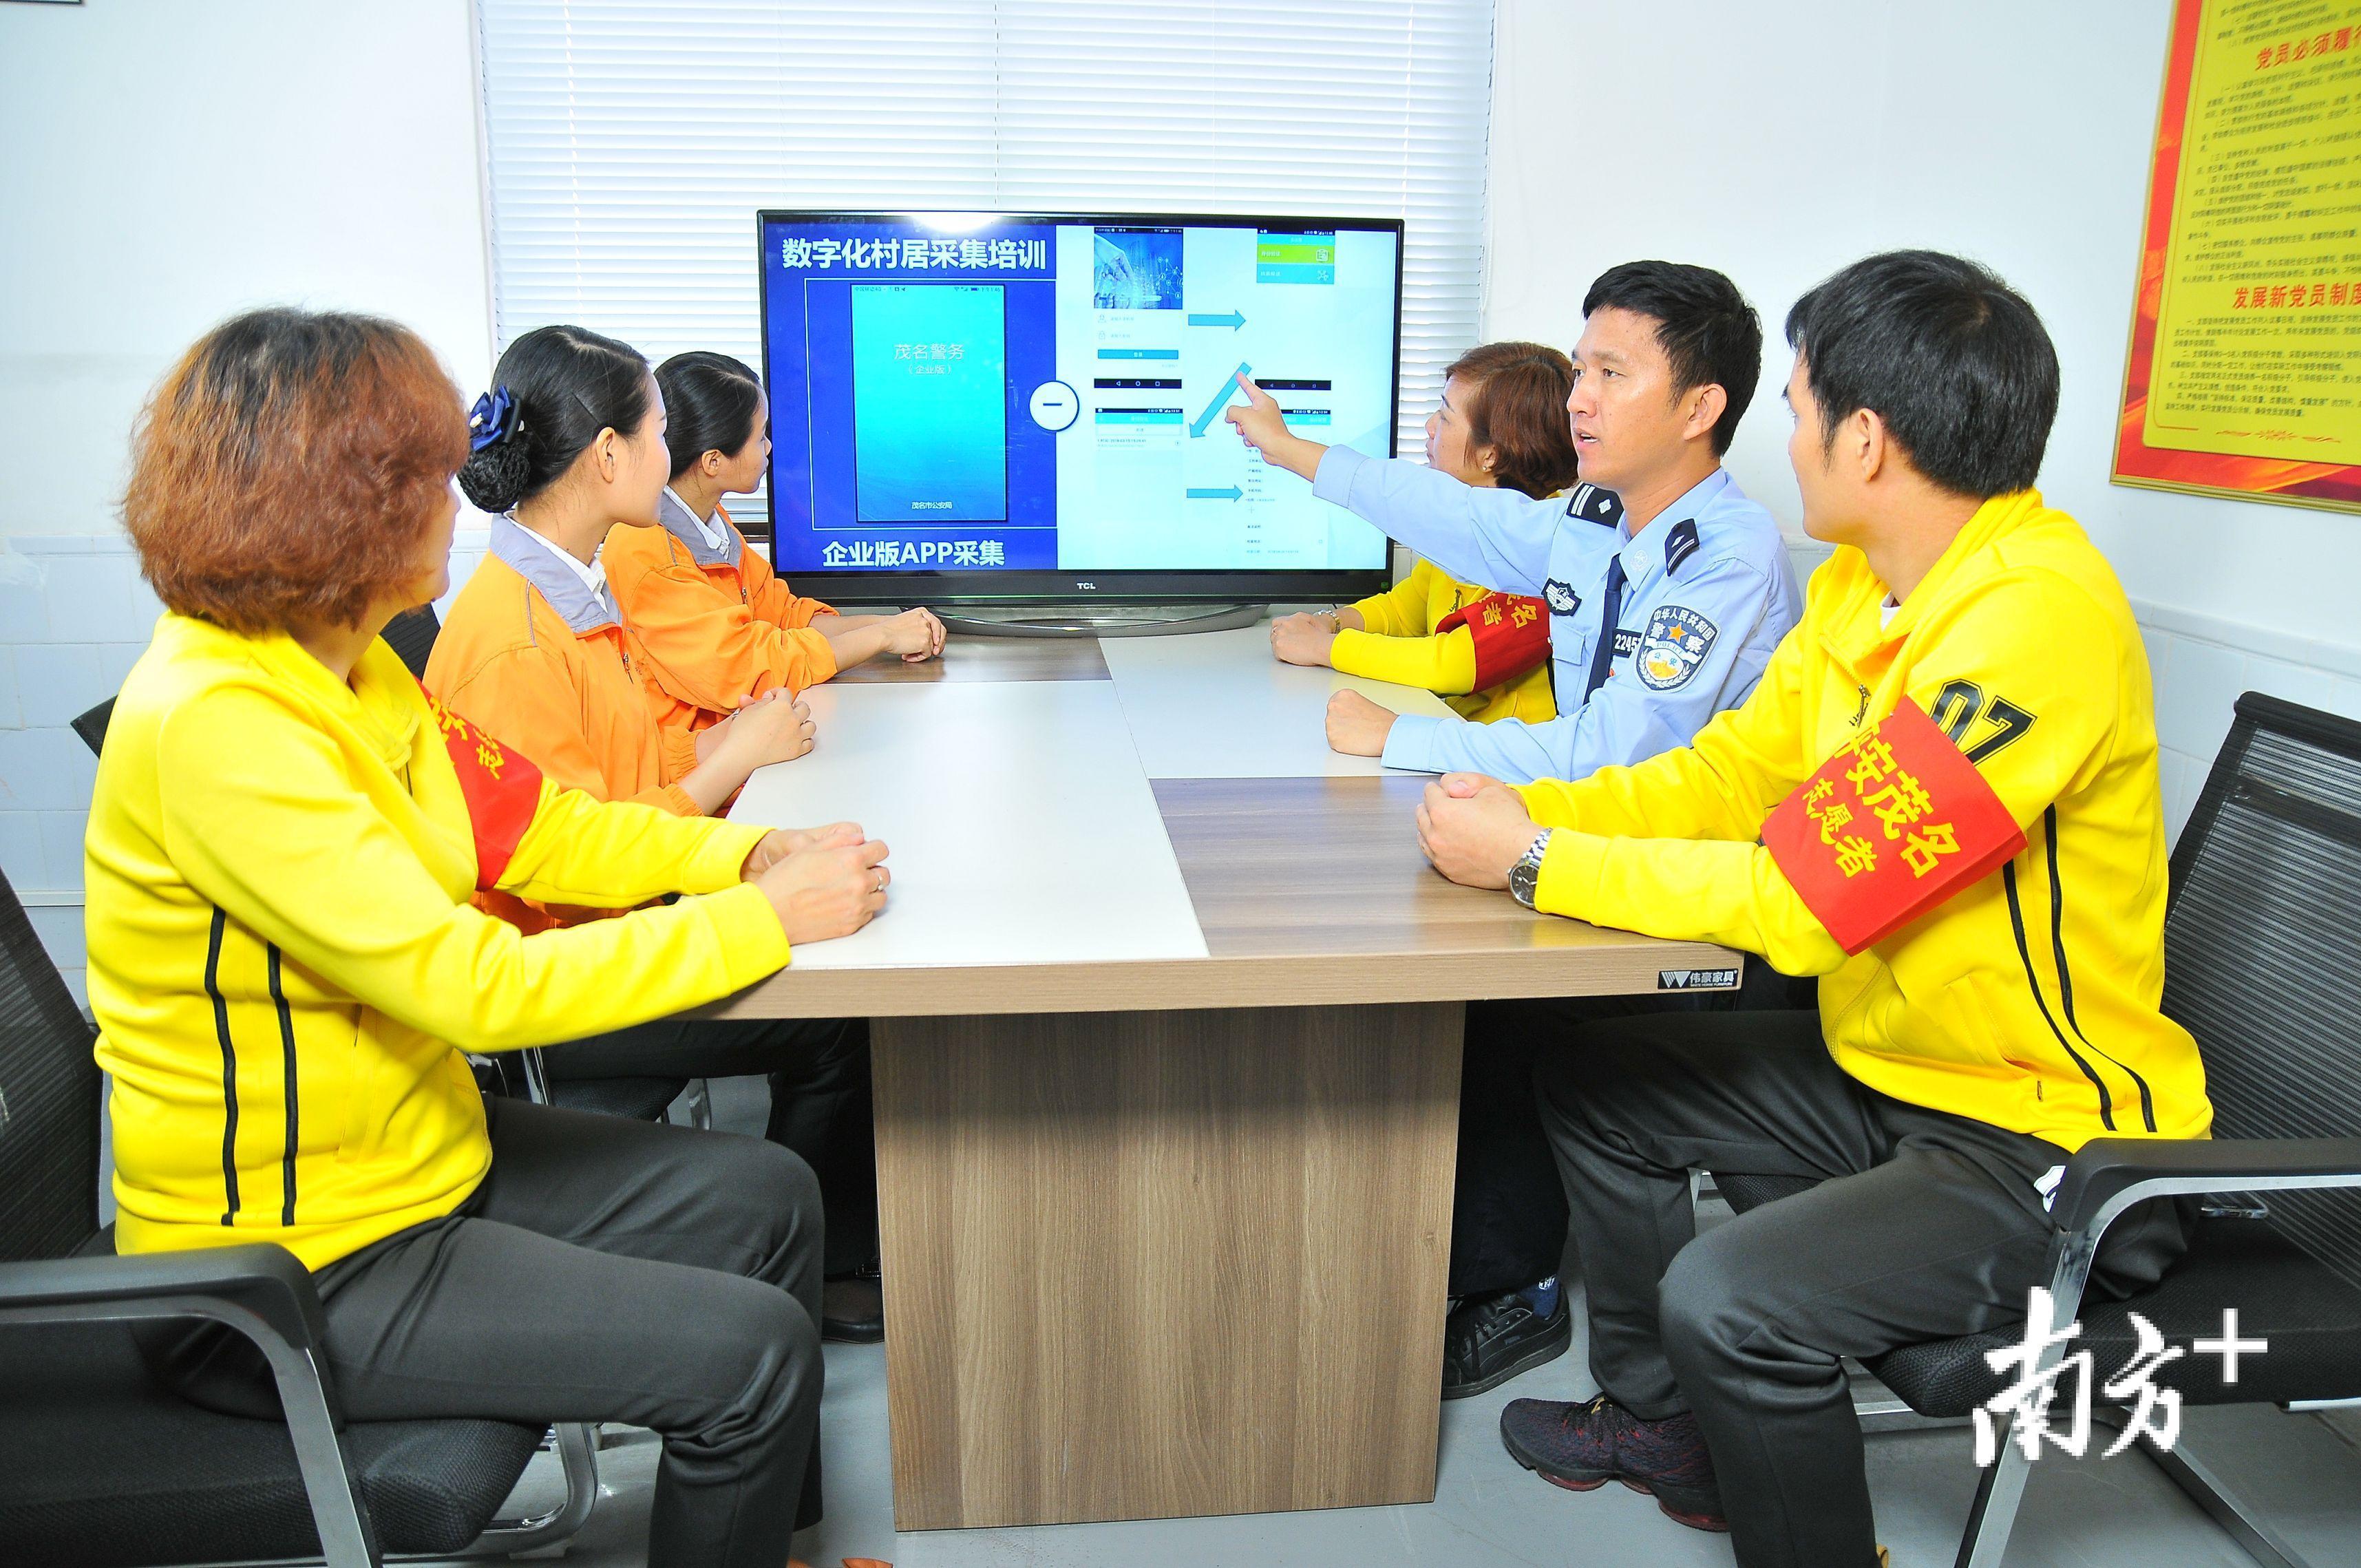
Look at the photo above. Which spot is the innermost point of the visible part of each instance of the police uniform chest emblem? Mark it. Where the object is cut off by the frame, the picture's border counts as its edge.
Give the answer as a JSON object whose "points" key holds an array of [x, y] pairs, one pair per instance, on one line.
{"points": [[1674, 647], [1561, 600]]}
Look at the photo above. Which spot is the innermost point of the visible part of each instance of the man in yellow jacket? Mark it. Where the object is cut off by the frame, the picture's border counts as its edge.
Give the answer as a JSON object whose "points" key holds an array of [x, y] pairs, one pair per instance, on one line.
{"points": [[1943, 800]]}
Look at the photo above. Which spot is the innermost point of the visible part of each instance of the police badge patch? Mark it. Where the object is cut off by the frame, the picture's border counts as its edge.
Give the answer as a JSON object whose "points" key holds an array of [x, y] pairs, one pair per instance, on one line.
{"points": [[1673, 647], [1563, 600]]}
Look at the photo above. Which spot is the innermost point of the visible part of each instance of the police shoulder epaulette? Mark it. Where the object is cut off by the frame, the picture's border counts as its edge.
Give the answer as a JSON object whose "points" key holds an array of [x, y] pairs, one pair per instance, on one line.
{"points": [[1680, 544], [1604, 507]]}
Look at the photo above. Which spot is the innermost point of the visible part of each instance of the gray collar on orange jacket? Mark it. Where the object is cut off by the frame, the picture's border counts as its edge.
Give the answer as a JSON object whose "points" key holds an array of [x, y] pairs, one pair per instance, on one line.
{"points": [[682, 524], [562, 583]]}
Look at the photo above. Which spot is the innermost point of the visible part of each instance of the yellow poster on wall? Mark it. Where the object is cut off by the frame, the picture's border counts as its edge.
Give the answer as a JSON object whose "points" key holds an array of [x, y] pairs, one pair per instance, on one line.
{"points": [[2245, 367]]}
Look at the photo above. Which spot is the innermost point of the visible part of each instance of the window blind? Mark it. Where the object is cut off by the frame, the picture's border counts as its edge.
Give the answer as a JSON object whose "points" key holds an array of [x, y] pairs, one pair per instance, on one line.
{"points": [[631, 141]]}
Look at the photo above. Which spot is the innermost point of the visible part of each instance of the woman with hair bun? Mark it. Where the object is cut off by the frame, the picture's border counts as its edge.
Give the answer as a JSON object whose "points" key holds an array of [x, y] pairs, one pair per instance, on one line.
{"points": [[719, 625], [569, 449], [286, 968]]}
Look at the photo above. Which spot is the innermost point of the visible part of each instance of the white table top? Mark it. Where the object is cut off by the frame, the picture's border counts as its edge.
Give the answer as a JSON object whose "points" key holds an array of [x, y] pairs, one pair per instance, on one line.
{"points": [[1023, 829], [1033, 870], [1217, 705]]}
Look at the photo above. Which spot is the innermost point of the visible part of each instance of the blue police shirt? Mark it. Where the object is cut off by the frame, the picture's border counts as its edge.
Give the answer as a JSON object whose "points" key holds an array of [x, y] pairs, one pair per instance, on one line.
{"points": [[1707, 593]]}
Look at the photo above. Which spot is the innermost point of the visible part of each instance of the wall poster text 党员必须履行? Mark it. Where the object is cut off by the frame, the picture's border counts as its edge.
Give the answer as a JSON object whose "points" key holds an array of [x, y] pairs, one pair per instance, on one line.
{"points": [[2244, 372]]}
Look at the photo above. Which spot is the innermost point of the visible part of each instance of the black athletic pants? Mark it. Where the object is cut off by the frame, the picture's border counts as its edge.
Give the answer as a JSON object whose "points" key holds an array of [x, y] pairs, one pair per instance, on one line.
{"points": [[819, 1069], [1926, 1226], [606, 1270], [1508, 1209]]}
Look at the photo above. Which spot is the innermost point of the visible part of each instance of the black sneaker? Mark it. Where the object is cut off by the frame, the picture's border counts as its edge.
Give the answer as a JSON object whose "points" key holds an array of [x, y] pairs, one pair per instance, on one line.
{"points": [[1582, 1447], [1487, 1342]]}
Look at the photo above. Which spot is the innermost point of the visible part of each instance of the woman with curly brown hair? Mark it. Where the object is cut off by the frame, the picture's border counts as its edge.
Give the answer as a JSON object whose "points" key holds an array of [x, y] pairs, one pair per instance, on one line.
{"points": [[286, 967]]}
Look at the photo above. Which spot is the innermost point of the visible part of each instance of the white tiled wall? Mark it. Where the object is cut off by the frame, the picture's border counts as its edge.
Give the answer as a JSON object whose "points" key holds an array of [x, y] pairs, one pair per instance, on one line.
{"points": [[74, 615], [2200, 666]]}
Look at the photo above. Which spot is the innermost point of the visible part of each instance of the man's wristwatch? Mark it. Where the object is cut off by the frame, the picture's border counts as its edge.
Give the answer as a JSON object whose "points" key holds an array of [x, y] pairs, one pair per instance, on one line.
{"points": [[1525, 876]]}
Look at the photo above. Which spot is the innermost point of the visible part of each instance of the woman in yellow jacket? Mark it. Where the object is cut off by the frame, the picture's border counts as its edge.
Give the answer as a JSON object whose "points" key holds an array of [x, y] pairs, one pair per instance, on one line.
{"points": [[719, 625], [286, 965], [1501, 422], [569, 450]]}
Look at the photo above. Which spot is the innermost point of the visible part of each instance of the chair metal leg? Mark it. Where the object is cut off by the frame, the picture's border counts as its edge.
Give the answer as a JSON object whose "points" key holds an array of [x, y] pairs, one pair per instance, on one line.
{"points": [[2205, 1488], [536, 1075], [1999, 1493], [577, 1452], [700, 1104], [1892, 1415], [346, 1539]]}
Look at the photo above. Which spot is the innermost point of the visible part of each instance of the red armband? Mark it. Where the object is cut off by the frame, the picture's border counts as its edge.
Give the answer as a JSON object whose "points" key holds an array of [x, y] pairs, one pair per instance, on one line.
{"points": [[502, 789], [1511, 634], [1894, 824]]}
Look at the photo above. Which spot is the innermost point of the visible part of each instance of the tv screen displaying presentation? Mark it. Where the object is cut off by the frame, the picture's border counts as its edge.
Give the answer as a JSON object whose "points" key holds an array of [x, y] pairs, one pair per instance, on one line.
{"points": [[1012, 406]]}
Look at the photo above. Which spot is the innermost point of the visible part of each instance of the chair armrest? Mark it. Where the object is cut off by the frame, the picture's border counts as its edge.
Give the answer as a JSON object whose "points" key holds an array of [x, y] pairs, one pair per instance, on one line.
{"points": [[263, 1279], [2108, 1175], [260, 1291]]}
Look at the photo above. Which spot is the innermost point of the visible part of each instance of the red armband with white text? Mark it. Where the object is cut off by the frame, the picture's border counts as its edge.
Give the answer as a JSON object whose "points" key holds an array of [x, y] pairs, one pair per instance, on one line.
{"points": [[1892, 825], [502, 789], [1510, 631]]}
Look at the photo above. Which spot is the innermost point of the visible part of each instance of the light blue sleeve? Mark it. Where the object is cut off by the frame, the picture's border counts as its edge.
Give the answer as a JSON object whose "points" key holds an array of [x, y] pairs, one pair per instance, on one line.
{"points": [[1498, 538], [1625, 721]]}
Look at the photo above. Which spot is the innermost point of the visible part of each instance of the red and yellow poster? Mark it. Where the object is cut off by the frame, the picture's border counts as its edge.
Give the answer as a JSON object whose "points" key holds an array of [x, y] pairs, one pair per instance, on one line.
{"points": [[2244, 372]]}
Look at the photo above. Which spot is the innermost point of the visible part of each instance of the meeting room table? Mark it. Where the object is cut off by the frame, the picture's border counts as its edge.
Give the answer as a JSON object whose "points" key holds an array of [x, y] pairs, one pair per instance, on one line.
{"points": [[1166, 1014]]}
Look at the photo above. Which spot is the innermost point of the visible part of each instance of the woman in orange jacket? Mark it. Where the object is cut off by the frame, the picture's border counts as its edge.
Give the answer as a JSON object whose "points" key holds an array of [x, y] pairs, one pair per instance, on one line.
{"points": [[536, 648], [718, 624], [567, 447]]}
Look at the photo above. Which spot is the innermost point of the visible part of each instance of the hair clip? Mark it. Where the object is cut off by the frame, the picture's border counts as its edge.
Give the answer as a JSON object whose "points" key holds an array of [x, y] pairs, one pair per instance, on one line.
{"points": [[493, 419]]}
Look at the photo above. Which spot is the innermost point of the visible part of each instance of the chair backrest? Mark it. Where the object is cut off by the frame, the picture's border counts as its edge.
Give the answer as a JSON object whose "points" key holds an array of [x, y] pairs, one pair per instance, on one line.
{"points": [[2263, 947], [411, 634], [49, 1101], [92, 726]]}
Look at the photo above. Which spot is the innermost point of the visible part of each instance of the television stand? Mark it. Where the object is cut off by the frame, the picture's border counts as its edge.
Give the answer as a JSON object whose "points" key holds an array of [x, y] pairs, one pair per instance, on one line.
{"points": [[1099, 619]]}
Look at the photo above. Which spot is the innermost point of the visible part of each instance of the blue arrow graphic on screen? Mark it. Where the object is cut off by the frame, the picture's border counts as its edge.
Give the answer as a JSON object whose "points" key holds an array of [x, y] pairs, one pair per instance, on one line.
{"points": [[1220, 400], [1229, 493], [1235, 320]]}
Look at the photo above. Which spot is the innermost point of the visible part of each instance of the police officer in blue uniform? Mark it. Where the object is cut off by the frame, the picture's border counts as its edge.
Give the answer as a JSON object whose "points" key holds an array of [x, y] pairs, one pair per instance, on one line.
{"points": [[1667, 590]]}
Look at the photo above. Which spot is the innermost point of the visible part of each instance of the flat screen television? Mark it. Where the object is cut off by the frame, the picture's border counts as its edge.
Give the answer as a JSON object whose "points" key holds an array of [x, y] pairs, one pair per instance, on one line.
{"points": [[1025, 408]]}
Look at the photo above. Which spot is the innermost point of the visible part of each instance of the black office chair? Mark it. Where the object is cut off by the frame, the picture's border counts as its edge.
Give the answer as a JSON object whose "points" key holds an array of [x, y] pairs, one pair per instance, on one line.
{"points": [[101, 1465], [92, 726], [2263, 965], [411, 634]]}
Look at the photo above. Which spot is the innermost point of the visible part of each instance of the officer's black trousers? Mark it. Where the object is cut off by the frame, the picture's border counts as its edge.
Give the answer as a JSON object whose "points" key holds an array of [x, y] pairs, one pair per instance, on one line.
{"points": [[821, 1108], [1508, 1211], [1927, 1226], [606, 1270]]}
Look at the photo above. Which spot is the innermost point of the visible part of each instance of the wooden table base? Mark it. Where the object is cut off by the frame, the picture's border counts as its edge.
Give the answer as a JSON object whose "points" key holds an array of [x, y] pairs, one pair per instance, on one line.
{"points": [[1148, 1264]]}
